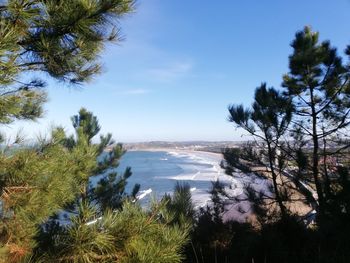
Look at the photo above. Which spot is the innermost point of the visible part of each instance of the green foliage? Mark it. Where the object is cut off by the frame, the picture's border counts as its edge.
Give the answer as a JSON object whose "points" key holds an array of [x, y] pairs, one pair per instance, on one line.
{"points": [[23, 104], [303, 132], [267, 121], [214, 240], [61, 38], [38, 184], [126, 235], [180, 205], [298, 132], [42, 183], [110, 191], [87, 122], [35, 183], [269, 117], [106, 225], [83, 242], [151, 241], [318, 84]]}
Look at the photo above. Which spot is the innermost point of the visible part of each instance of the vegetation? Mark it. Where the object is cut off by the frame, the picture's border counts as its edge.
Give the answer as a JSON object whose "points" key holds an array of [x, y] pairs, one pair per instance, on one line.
{"points": [[49, 210], [268, 121], [62, 199], [301, 145], [104, 223]]}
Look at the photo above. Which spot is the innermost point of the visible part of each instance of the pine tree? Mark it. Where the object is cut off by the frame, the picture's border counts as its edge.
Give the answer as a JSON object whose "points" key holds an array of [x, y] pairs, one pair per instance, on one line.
{"points": [[60, 38], [63, 40], [313, 137], [109, 191], [128, 235], [312, 151], [267, 121], [40, 183], [105, 224], [53, 177], [35, 182], [180, 205], [318, 84]]}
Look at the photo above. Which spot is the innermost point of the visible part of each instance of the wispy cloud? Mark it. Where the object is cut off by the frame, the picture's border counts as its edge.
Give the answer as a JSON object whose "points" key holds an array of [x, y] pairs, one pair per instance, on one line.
{"points": [[136, 91], [171, 72], [117, 89]]}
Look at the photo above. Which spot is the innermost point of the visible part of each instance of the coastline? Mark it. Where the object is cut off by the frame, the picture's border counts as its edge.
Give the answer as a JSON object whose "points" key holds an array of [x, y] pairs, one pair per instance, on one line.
{"points": [[211, 158], [201, 197], [177, 150], [234, 185]]}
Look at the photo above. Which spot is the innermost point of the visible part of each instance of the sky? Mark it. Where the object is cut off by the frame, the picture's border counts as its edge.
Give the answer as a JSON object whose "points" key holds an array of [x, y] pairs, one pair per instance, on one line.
{"points": [[183, 62]]}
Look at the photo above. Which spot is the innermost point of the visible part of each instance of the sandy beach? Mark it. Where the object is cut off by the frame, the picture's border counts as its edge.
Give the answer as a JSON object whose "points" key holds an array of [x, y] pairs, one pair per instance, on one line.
{"points": [[234, 185]]}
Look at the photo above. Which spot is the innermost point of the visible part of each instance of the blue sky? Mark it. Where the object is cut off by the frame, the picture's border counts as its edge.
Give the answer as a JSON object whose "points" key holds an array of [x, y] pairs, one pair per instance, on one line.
{"points": [[183, 62]]}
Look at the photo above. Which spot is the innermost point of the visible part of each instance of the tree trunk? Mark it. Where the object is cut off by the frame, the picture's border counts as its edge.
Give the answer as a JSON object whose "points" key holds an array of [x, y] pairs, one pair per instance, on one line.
{"points": [[315, 157], [274, 180], [327, 188]]}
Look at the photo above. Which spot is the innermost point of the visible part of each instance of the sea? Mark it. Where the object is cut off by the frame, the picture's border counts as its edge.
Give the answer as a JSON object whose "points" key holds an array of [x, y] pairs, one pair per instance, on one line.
{"points": [[158, 172]]}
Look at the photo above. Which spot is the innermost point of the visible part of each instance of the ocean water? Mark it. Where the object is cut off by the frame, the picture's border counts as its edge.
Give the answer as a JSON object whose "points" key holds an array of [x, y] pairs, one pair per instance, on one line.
{"points": [[158, 171]]}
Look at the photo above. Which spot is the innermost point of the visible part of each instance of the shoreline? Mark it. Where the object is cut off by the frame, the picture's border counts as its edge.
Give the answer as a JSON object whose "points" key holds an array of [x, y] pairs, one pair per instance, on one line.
{"points": [[235, 184], [187, 151], [201, 197]]}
